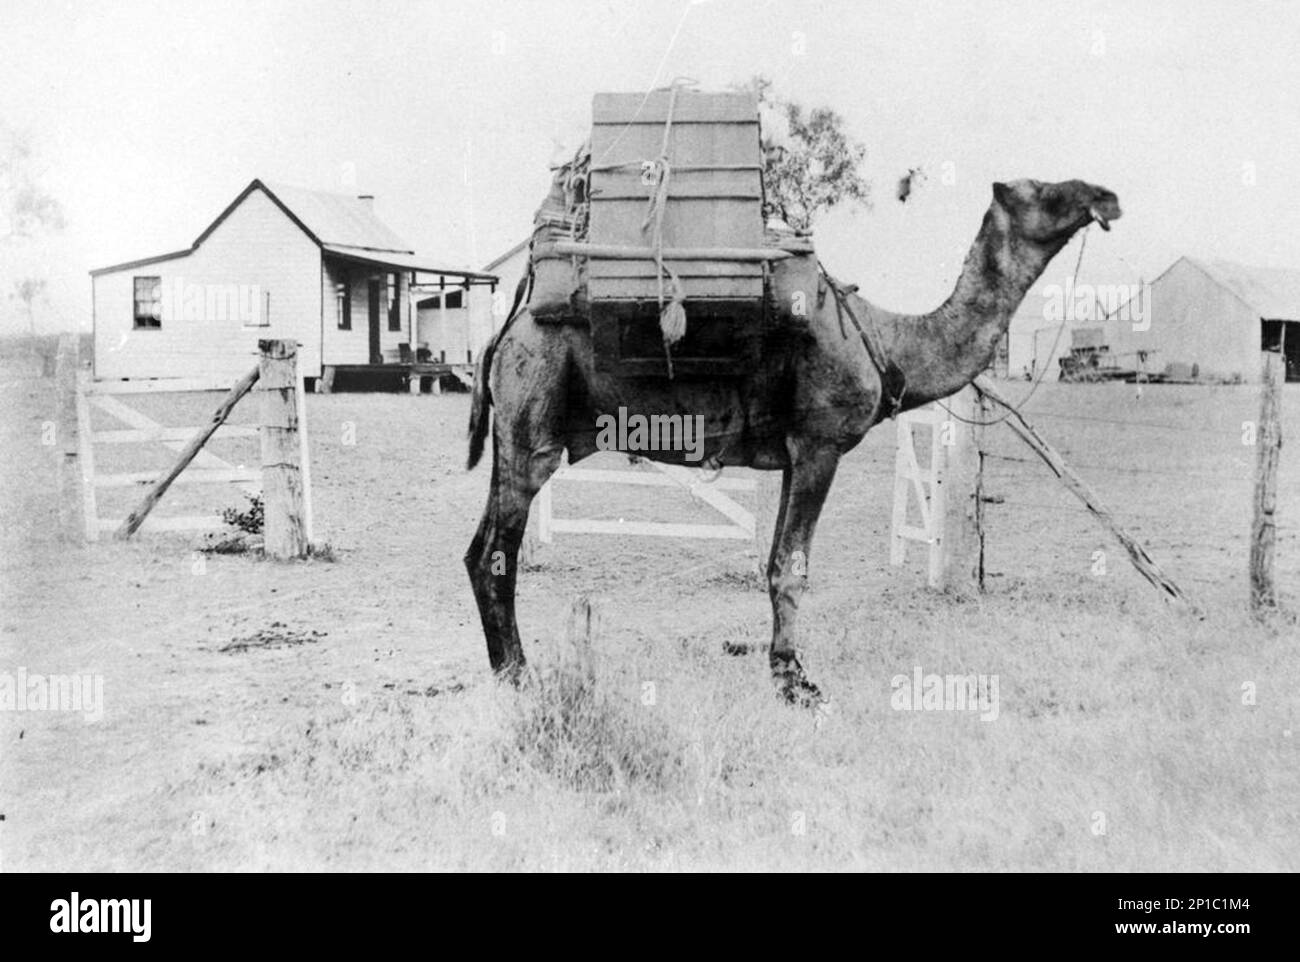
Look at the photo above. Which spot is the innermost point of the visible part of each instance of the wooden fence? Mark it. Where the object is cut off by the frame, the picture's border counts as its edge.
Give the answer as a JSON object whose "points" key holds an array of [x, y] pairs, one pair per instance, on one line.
{"points": [[284, 477], [740, 524]]}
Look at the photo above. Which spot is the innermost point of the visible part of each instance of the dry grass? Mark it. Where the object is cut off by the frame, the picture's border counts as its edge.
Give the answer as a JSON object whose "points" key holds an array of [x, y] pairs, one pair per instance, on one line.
{"points": [[385, 745], [1122, 745]]}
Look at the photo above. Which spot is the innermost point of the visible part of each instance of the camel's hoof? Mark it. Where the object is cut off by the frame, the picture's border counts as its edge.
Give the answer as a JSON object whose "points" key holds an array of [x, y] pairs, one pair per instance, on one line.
{"points": [[512, 672], [800, 692], [793, 686]]}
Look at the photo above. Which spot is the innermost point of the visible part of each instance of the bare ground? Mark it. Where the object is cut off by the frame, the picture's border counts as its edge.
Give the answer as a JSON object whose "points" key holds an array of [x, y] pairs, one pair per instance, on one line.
{"points": [[340, 715]]}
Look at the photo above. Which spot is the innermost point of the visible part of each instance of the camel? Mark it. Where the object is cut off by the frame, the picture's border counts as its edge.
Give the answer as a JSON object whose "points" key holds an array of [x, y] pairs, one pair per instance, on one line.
{"points": [[814, 396]]}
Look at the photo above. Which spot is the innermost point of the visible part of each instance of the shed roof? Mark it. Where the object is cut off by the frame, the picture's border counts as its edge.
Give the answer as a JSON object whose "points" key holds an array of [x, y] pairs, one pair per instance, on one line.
{"points": [[501, 259], [1273, 292]]}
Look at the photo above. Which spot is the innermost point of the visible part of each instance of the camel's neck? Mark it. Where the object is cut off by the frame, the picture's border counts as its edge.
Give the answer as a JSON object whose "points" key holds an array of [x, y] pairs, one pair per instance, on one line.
{"points": [[943, 351]]}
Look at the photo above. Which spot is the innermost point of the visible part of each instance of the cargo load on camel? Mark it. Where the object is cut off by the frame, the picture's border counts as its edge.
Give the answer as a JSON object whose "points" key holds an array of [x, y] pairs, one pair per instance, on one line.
{"points": [[653, 235]]}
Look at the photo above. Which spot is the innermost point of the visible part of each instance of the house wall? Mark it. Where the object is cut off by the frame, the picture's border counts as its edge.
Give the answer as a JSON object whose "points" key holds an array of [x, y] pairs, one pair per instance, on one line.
{"points": [[353, 346], [256, 248], [468, 329], [450, 334], [511, 271], [1031, 340], [465, 330]]}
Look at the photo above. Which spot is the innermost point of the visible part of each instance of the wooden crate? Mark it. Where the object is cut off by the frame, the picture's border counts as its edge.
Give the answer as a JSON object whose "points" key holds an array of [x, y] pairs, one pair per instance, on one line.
{"points": [[715, 194], [723, 339], [715, 200]]}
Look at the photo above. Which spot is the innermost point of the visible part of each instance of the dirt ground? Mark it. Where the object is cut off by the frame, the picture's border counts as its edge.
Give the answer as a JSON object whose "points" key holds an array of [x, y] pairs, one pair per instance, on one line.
{"points": [[340, 714]]}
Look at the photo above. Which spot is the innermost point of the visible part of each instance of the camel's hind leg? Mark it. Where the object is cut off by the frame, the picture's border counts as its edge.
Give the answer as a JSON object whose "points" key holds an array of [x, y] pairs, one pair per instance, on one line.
{"points": [[804, 487], [493, 555]]}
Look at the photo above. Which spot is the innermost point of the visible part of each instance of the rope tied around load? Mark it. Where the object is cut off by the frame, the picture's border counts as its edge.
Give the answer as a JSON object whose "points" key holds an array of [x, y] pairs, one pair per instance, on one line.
{"points": [[658, 174]]}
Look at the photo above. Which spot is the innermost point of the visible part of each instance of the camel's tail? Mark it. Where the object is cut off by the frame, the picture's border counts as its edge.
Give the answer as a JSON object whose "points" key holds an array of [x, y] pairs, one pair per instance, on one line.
{"points": [[480, 403], [481, 399]]}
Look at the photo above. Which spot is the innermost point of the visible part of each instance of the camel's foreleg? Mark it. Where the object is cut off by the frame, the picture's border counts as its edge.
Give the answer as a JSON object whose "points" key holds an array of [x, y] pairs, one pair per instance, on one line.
{"points": [[492, 558], [804, 487]]}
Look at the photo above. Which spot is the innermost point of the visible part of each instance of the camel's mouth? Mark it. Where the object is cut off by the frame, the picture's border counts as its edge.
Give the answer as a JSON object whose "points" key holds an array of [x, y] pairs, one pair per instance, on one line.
{"points": [[1103, 212]]}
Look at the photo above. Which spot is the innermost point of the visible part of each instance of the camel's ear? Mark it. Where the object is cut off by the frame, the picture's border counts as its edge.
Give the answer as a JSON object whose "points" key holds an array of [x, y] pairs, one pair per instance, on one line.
{"points": [[1002, 194]]}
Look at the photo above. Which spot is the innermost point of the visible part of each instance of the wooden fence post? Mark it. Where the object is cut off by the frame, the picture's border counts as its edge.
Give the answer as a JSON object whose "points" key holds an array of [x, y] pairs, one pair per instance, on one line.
{"points": [[86, 458], [304, 458], [66, 386], [1263, 528], [961, 566], [581, 629], [282, 482]]}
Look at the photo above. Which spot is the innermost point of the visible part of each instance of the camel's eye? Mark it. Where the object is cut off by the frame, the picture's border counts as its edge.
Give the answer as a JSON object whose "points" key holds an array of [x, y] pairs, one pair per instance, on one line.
{"points": [[1056, 204]]}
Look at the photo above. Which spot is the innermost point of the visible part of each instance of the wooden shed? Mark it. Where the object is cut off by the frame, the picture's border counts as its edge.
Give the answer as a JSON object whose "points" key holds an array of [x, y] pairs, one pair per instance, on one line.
{"points": [[1208, 320]]}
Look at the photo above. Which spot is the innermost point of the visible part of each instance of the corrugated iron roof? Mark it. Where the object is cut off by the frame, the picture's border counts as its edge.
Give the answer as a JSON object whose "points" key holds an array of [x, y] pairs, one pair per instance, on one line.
{"points": [[1271, 291], [498, 261], [402, 260], [339, 218], [342, 224]]}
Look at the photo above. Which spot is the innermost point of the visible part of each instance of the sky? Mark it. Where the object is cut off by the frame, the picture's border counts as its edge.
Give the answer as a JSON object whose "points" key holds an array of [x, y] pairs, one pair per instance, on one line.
{"points": [[148, 118]]}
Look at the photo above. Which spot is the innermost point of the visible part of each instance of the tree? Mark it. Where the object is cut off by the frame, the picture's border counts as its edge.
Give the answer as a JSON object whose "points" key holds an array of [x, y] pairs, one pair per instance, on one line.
{"points": [[25, 208], [27, 212], [27, 290], [810, 164]]}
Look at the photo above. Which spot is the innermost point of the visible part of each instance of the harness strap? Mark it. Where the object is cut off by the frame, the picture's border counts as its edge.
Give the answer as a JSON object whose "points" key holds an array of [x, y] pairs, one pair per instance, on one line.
{"points": [[893, 383]]}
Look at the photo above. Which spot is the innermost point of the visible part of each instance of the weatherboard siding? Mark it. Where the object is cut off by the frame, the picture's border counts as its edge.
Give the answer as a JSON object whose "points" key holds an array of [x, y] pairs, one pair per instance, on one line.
{"points": [[256, 246], [353, 346]]}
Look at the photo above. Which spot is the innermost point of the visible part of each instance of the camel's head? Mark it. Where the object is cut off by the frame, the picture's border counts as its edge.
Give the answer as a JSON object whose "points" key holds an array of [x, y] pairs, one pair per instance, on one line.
{"points": [[1049, 213]]}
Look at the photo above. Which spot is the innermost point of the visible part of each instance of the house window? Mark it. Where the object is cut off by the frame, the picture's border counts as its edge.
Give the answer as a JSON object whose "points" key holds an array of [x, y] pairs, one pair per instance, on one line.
{"points": [[394, 305], [261, 312], [147, 302], [344, 295]]}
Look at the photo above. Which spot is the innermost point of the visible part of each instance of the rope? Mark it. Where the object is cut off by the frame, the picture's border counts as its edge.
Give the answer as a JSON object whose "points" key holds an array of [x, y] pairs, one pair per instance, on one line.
{"points": [[672, 318], [888, 371], [672, 42], [1016, 408]]}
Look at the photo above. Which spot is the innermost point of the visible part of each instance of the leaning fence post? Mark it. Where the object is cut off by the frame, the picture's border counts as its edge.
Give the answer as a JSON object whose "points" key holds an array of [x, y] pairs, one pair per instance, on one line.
{"points": [[282, 482], [1137, 554], [192, 447], [1263, 528]]}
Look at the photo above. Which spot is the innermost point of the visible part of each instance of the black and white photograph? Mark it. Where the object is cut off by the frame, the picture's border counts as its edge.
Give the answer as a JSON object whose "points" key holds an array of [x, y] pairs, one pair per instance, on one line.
{"points": [[650, 436]]}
